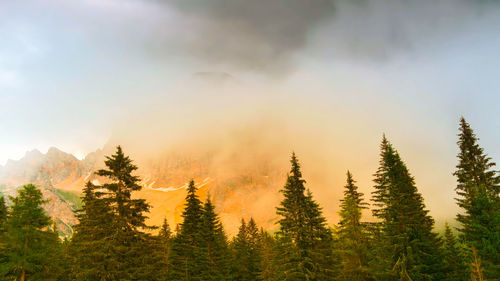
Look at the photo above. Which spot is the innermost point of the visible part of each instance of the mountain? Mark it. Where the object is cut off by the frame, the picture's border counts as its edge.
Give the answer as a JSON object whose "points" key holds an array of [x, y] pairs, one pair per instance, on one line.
{"points": [[240, 184]]}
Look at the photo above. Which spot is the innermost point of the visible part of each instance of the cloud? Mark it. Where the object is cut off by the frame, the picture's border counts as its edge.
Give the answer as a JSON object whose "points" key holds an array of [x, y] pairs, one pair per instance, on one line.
{"points": [[259, 35], [269, 35]]}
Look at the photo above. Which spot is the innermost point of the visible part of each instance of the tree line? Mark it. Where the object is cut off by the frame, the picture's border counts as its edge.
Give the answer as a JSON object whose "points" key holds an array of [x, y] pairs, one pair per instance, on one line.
{"points": [[112, 240]]}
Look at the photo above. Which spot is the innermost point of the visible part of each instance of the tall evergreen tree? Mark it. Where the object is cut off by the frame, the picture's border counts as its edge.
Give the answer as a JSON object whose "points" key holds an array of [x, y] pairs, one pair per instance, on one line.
{"points": [[30, 243], [91, 242], [3, 212], [3, 219], [268, 264], [304, 240], [184, 256], [478, 192], [213, 245], [247, 253], [165, 241], [412, 246], [115, 224], [455, 266], [352, 234], [165, 232]]}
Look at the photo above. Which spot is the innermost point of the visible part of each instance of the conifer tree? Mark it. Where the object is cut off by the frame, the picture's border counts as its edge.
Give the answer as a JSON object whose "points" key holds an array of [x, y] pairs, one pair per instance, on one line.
{"points": [[352, 234], [268, 264], [184, 256], [165, 232], [92, 239], [304, 241], [455, 266], [3, 212], [247, 252], [478, 193], [30, 243], [3, 218], [114, 224], [165, 241], [213, 245], [413, 249]]}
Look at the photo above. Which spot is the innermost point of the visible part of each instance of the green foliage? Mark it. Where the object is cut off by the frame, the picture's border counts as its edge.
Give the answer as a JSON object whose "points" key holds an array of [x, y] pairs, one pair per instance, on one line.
{"points": [[247, 253], [268, 265], [212, 246], [110, 242], [185, 256], [455, 265], [478, 193], [304, 240], [30, 246], [412, 249], [352, 235], [3, 214]]}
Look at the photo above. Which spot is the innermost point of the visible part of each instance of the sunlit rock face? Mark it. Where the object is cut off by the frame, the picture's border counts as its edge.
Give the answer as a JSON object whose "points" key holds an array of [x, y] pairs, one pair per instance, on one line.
{"points": [[243, 184]]}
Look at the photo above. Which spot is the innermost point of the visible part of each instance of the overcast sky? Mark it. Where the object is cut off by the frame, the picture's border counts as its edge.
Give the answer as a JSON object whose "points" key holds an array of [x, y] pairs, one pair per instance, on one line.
{"points": [[72, 70]]}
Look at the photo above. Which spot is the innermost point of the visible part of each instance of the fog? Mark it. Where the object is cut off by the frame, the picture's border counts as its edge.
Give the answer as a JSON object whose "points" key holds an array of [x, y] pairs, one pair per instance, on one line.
{"points": [[252, 81]]}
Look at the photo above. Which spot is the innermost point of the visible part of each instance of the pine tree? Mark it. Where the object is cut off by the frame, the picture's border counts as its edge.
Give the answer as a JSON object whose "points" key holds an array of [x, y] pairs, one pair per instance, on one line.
{"points": [[3, 212], [165, 232], [92, 239], [165, 241], [3, 219], [455, 266], [478, 192], [267, 246], [213, 245], [184, 256], [352, 234], [30, 243], [304, 240], [254, 249], [412, 247], [247, 252], [113, 225]]}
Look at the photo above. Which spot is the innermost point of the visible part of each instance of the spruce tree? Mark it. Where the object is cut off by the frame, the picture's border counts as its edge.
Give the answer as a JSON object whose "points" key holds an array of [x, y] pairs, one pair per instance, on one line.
{"points": [[212, 245], [111, 237], [478, 192], [165, 232], [247, 253], [91, 242], [30, 243], [352, 234], [3, 212], [455, 266], [184, 255], [3, 219], [268, 265], [165, 241], [413, 249], [304, 240], [129, 216]]}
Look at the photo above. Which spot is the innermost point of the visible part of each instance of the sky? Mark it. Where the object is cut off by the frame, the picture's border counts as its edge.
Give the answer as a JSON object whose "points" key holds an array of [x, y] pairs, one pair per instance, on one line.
{"points": [[75, 73]]}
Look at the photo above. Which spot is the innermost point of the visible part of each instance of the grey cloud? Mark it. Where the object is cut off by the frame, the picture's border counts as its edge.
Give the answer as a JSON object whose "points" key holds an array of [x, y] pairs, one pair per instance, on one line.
{"points": [[258, 34], [266, 35]]}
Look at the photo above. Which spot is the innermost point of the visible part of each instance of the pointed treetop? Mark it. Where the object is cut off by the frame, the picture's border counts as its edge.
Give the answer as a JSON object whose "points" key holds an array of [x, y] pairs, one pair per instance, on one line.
{"points": [[295, 170], [165, 231], [120, 168], [351, 192], [191, 187], [3, 210]]}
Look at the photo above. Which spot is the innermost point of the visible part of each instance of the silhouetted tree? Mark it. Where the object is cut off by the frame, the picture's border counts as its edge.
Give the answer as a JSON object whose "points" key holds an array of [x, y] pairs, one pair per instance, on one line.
{"points": [[478, 195]]}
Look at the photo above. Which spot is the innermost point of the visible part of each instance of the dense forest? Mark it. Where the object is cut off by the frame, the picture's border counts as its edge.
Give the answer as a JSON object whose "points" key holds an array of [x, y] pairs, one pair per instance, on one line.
{"points": [[112, 240]]}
